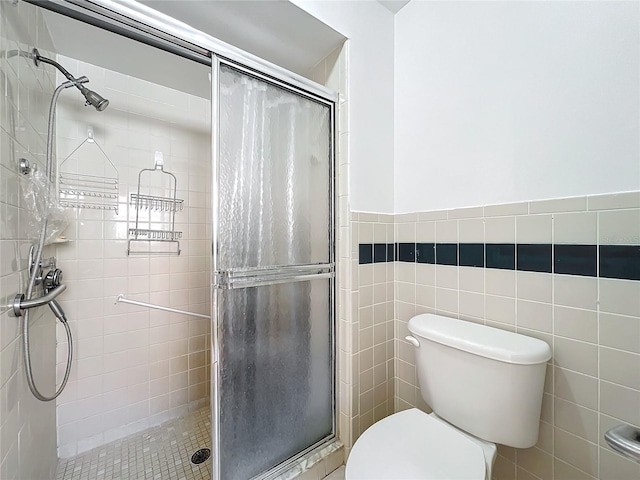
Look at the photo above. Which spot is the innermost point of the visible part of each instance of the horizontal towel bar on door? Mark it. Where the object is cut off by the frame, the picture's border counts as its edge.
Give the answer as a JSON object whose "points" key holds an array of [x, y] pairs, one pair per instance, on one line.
{"points": [[121, 299], [272, 280], [258, 277]]}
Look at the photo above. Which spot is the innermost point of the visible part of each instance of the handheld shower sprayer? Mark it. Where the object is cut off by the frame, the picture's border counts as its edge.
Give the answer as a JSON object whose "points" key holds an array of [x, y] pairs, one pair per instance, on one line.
{"points": [[52, 281], [58, 311], [91, 97]]}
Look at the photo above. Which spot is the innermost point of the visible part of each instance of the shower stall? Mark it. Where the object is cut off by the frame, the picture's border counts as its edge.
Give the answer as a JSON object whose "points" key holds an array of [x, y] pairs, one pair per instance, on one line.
{"points": [[255, 252]]}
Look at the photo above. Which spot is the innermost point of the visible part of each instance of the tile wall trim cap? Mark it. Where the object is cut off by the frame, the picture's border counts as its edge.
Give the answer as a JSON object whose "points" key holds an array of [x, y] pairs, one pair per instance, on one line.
{"points": [[571, 204], [386, 217], [430, 216], [406, 217], [614, 201], [506, 209], [607, 201], [367, 217], [468, 212]]}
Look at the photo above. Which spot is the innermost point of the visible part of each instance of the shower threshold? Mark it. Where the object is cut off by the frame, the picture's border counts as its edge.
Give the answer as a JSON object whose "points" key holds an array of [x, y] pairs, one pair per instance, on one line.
{"points": [[162, 452]]}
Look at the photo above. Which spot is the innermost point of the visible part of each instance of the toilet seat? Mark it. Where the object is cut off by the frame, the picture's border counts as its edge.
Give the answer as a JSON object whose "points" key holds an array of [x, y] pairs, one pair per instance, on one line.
{"points": [[412, 445]]}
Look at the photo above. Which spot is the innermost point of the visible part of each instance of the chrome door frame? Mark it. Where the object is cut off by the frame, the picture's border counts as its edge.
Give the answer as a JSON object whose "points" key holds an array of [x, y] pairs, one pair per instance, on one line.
{"points": [[219, 284]]}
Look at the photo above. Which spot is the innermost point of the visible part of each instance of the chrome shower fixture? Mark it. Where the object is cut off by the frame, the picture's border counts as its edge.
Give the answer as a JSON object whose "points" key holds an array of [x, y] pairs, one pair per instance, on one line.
{"points": [[57, 311], [91, 97]]}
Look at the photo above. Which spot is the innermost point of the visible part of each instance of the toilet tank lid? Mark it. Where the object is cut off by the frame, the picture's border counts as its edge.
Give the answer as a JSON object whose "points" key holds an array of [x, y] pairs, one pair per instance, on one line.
{"points": [[480, 340]]}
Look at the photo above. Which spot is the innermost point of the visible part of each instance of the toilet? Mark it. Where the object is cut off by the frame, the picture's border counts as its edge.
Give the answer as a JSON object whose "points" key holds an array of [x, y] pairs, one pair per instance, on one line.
{"points": [[484, 385]]}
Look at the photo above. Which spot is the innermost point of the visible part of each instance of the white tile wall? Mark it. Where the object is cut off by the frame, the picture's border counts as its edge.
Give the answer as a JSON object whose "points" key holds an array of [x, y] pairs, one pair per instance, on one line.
{"points": [[134, 367], [26, 424]]}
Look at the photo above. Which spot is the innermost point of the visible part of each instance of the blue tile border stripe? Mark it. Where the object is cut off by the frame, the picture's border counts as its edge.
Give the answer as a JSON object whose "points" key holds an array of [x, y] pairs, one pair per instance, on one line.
{"points": [[606, 261], [365, 253], [406, 252], [501, 256], [379, 252], [576, 260], [534, 257], [620, 261], [426, 253], [471, 254]]}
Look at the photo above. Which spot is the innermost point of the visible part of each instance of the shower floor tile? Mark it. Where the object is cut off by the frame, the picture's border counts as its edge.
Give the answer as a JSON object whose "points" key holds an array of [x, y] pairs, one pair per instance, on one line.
{"points": [[162, 452]]}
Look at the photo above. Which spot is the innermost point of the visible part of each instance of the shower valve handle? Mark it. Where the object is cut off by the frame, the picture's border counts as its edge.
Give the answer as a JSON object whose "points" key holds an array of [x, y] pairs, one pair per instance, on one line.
{"points": [[53, 279]]}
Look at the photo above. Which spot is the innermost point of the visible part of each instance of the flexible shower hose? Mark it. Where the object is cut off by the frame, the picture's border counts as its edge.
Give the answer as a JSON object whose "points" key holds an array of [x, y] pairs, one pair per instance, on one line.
{"points": [[34, 272]]}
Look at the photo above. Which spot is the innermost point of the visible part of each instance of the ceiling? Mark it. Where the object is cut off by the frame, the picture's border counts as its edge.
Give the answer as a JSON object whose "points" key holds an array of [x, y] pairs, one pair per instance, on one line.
{"points": [[277, 31], [141, 61], [393, 6]]}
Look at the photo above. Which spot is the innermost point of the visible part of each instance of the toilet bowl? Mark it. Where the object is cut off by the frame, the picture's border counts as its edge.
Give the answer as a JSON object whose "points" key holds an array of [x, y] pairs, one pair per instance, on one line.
{"points": [[484, 385]]}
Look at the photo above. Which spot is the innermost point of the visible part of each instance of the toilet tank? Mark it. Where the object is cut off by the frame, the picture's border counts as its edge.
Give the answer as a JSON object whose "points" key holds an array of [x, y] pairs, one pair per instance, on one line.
{"points": [[483, 380]]}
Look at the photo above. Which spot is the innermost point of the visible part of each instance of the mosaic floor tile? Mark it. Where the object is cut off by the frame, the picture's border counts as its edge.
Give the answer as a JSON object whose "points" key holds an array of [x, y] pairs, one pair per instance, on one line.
{"points": [[159, 453]]}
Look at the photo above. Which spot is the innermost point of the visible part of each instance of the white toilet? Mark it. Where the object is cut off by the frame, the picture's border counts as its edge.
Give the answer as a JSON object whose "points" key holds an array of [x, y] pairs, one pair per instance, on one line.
{"points": [[484, 385]]}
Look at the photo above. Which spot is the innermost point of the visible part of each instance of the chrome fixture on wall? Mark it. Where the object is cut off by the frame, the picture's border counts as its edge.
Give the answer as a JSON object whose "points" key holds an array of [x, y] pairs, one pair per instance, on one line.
{"points": [[92, 98], [52, 280], [20, 304], [625, 439], [52, 286]]}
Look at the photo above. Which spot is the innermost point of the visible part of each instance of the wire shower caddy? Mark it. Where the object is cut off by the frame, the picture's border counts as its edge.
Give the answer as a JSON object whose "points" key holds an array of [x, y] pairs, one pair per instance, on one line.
{"points": [[84, 190], [164, 231]]}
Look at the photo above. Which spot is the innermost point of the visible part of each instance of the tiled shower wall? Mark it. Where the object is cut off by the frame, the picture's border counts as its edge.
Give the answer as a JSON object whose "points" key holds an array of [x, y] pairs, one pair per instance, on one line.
{"points": [[591, 322], [133, 367], [26, 424]]}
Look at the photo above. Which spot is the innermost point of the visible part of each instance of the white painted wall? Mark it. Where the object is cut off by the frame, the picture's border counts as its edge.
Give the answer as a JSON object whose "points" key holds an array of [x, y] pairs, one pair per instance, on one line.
{"points": [[507, 101], [369, 28]]}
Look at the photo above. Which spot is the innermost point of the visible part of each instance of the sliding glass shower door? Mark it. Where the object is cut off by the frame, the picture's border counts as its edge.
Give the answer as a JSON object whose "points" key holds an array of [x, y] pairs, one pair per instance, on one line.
{"points": [[273, 267]]}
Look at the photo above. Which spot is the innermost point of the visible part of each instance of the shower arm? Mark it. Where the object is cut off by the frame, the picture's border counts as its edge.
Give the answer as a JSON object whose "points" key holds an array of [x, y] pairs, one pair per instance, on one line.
{"points": [[37, 58], [91, 97]]}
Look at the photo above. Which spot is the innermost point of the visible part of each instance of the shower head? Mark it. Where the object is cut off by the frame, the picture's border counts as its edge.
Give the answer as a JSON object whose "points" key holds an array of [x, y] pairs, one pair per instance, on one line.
{"points": [[99, 102], [92, 98]]}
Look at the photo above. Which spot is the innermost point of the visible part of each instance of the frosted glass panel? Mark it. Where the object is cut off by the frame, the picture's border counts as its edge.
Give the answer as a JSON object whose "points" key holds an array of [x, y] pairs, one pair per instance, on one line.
{"points": [[273, 176], [275, 374]]}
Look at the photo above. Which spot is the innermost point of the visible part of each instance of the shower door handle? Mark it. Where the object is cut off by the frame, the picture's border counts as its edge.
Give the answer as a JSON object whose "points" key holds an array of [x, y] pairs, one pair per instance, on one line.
{"points": [[230, 279]]}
